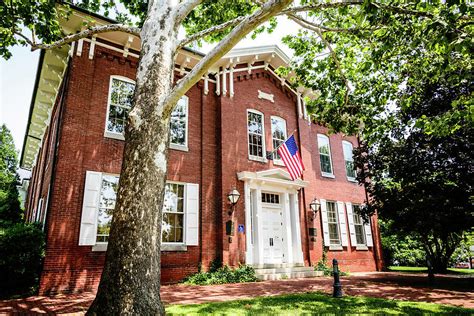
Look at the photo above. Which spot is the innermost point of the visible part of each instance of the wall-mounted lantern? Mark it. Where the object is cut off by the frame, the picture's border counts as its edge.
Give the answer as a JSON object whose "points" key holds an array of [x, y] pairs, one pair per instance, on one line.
{"points": [[233, 198], [315, 206]]}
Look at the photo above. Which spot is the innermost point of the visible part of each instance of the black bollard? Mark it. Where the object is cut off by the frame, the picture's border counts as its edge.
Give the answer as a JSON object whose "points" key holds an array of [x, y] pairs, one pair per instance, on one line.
{"points": [[337, 283]]}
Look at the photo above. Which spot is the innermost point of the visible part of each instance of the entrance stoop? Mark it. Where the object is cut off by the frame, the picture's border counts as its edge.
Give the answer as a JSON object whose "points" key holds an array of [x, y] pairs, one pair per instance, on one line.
{"points": [[285, 271]]}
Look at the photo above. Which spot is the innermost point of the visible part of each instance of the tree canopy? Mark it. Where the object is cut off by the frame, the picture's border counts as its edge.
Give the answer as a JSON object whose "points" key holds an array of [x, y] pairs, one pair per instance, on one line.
{"points": [[10, 210]]}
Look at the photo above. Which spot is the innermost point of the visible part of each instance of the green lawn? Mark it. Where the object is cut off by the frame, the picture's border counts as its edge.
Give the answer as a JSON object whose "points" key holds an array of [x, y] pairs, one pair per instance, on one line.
{"points": [[425, 270], [312, 303]]}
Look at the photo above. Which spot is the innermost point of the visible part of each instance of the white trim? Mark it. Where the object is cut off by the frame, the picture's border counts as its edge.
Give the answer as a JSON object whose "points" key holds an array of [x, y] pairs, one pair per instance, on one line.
{"points": [[252, 157], [185, 146], [325, 174], [108, 133]]}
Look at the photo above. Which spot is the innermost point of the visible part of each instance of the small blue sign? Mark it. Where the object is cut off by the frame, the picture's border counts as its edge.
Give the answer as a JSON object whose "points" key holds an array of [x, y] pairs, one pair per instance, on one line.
{"points": [[241, 228]]}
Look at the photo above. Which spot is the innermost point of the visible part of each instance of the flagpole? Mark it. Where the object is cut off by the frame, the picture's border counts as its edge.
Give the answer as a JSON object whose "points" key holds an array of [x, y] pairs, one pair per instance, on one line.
{"points": [[274, 150]]}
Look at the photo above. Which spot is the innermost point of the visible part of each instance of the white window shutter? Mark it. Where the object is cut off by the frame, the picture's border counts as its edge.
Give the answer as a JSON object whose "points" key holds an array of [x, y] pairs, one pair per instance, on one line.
{"points": [[90, 207], [350, 219], [342, 223], [368, 234], [324, 218], [192, 214]]}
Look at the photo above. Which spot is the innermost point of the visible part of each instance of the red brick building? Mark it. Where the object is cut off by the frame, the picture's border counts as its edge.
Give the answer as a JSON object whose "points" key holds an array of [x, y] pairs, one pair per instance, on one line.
{"points": [[221, 131]]}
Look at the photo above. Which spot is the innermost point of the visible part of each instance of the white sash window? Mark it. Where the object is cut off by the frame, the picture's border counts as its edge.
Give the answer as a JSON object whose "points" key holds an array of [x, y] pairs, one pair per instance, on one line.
{"points": [[278, 136], [256, 138], [325, 156], [349, 160], [180, 213]]}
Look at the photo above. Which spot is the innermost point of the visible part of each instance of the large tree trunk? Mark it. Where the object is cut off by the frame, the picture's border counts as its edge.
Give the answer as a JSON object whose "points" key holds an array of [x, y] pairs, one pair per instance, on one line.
{"points": [[130, 282]]}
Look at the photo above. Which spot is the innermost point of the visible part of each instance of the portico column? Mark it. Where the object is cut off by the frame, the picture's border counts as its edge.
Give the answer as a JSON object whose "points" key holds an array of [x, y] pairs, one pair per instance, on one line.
{"points": [[287, 244], [248, 224], [259, 226], [295, 222]]}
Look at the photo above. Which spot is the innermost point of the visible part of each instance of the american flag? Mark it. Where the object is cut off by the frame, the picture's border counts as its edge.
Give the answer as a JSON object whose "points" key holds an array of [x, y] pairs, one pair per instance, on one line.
{"points": [[291, 157]]}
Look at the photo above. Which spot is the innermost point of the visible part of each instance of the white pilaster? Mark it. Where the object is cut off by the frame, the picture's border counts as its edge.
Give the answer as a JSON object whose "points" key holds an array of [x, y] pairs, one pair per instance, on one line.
{"points": [[224, 82], [295, 222], [218, 83], [231, 82], [248, 225], [288, 242], [259, 225]]}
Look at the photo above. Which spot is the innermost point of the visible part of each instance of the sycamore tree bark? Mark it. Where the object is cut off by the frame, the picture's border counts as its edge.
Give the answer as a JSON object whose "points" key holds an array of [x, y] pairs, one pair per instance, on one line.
{"points": [[130, 282]]}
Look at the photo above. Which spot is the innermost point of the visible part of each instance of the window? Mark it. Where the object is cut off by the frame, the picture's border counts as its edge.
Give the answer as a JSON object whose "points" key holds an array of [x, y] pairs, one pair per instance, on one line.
{"points": [[359, 226], [255, 135], [180, 213], [333, 223], [349, 160], [325, 155], [108, 192], [173, 214], [270, 198], [120, 101], [278, 135], [179, 125]]}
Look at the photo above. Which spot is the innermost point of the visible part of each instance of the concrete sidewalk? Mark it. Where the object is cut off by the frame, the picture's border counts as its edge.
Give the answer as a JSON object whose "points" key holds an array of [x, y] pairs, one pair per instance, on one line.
{"points": [[451, 290]]}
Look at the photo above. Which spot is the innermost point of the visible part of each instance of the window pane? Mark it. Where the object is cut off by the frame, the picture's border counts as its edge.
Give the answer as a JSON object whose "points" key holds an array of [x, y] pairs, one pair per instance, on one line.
{"points": [[121, 98], [178, 123], [350, 172], [255, 132], [333, 223], [278, 134], [107, 198], [325, 164], [173, 213]]}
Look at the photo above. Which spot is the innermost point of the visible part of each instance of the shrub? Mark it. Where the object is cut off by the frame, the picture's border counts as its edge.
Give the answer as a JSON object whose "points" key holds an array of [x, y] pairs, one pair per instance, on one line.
{"points": [[21, 253], [322, 265], [223, 275]]}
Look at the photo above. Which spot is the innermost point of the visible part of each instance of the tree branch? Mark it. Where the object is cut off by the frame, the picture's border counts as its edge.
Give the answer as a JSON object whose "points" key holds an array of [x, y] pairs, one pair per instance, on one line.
{"points": [[318, 6], [185, 8], [210, 30], [318, 31], [269, 9], [83, 34]]}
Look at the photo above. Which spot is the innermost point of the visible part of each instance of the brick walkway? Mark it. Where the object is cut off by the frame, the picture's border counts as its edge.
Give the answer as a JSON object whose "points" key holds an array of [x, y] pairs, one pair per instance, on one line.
{"points": [[452, 290]]}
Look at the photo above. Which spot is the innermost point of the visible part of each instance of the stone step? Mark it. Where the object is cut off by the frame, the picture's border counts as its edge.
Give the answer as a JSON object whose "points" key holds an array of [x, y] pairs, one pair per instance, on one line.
{"points": [[289, 275], [283, 270], [277, 265]]}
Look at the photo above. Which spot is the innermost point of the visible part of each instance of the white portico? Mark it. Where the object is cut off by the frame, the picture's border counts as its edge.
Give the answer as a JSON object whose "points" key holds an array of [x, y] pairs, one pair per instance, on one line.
{"points": [[273, 232]]}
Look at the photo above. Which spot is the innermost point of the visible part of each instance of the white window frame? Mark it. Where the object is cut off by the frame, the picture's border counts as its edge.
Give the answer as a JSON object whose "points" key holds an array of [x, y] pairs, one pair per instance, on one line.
{"points": [[276, 161], [183, 243], [97, 219], [346, 159], [264, 152], [338, 226], [355, 215], [325, 174], [38, 210], [107, 133], [185, 146]]}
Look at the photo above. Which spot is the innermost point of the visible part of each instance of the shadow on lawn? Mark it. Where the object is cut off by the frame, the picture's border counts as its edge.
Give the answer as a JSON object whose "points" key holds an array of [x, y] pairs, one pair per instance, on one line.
{"points": [[314, 303]]}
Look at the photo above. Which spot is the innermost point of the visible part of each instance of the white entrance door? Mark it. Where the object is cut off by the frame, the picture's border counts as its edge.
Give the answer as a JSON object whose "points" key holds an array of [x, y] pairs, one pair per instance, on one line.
{"points": [[272, 226]]}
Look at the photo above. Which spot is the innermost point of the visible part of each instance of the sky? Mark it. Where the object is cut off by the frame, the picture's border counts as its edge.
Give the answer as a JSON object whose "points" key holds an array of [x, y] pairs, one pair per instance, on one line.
{"points": [[17, 78]]}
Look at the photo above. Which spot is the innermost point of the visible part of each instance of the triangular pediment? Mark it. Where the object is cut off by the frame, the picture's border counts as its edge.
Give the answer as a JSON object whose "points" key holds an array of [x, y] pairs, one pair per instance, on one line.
{"points": [[274, 174]]}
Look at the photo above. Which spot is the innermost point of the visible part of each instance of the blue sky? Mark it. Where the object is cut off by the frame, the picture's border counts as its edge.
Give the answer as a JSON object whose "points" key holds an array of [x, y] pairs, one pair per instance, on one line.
{"points": [[17, 78]]}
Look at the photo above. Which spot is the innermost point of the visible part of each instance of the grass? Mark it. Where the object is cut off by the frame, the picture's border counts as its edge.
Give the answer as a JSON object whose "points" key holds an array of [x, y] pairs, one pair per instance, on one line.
{"points": [[425, 270], [314, 303]]}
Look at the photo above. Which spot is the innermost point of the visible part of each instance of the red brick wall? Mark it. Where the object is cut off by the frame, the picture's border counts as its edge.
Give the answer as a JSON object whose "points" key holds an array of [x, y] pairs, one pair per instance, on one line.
{"points": [[217, 151]]}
